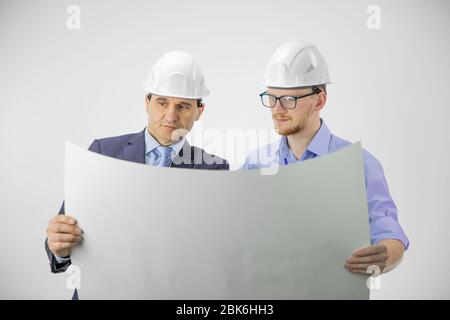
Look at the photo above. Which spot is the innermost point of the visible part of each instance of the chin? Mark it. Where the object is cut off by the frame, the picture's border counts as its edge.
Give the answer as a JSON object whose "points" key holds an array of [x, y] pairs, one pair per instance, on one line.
{"points": [[287, 131]]}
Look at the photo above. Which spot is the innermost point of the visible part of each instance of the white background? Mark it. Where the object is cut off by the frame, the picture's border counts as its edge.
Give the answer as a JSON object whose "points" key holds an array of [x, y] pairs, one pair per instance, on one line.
{"points": [[390, 91]]}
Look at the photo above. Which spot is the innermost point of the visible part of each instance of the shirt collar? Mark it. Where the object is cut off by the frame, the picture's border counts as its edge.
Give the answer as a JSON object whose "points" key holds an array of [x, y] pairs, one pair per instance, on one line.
{"points": [[151, 143], [321, 141], [318, 145]]}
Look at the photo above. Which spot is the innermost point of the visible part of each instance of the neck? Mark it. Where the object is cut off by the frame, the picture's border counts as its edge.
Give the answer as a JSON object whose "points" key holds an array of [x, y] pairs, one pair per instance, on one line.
{"points": [[298, 142], [160, 141]]}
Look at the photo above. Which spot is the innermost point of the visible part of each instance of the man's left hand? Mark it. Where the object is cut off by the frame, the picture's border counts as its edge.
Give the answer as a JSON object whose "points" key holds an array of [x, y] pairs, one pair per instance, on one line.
{"points": [[362, 259]]}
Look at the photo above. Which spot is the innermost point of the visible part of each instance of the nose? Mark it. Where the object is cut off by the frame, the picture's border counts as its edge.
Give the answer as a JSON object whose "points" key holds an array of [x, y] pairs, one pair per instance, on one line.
{"points": [[172, 113], [278, 108]]}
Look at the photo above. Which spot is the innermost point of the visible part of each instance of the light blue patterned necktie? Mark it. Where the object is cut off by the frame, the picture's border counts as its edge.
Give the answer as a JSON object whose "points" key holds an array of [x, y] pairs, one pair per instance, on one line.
{"points": [[164, 158]]}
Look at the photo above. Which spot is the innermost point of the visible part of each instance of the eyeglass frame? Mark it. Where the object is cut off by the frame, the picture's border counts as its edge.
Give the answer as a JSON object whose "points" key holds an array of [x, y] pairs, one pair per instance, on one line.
{"points": [[316, 90]]}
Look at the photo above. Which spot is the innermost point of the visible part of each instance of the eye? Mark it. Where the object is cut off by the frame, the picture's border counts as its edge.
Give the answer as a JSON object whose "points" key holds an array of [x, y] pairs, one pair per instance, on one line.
{"points": [[161, 103], [288, 98], [183, 107], [272, 100]]}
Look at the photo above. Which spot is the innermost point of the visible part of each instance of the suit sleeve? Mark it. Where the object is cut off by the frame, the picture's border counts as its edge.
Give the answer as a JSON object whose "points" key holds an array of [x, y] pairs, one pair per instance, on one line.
{"points": [[223, 166]]}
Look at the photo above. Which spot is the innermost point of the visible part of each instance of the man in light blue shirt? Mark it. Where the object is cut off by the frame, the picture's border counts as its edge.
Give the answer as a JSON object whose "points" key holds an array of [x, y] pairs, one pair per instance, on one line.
{"points": [[296, 78]]}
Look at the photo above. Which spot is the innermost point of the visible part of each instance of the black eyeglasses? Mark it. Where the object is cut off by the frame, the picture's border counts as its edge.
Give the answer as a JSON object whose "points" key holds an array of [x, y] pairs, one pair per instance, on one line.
{"points": [[287, 102]]}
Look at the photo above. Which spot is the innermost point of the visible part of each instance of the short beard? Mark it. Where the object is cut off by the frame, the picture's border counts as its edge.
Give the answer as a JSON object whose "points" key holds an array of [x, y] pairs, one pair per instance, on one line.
{"points": [[291, 130], [288, 131]]}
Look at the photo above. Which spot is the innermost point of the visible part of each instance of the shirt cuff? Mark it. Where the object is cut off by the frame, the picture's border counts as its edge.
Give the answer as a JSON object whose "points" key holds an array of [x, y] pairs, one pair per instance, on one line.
{"points": [[387, 228], [60, 260]]}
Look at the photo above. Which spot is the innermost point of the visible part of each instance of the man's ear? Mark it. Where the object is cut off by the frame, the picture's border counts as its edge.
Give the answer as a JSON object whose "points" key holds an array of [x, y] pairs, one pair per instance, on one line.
{"points": [[320, 101], [200, 110], [147, 103]]}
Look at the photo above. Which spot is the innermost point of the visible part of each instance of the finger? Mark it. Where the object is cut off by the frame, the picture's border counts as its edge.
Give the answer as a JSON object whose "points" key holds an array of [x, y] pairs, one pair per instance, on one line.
{"points": [[358, 271], [63, 218], [64, 228], [368, 251], [381, 257], [64, 237], [366, 266], [58, 246]]}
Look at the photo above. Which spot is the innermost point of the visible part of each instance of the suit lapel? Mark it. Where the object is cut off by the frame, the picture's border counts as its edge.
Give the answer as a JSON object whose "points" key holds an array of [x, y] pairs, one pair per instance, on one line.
{"points": [[185, 158], [135, 149]]}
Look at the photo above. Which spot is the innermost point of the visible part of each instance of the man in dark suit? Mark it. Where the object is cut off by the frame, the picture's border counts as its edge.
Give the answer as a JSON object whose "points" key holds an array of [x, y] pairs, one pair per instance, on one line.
{"points": [[173, 102]]}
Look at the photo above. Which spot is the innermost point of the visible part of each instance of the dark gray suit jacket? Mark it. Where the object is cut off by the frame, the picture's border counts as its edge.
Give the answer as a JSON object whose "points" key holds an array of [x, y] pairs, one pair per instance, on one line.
{"points": [[131, 147]]}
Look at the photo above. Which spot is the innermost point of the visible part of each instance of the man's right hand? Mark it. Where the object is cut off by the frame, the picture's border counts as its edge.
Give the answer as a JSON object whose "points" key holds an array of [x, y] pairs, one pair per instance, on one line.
{"points": [[63, 234]]}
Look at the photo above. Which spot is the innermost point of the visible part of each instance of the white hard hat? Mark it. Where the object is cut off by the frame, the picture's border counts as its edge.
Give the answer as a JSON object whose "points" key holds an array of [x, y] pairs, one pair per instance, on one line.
{"points": [[176, 74], [296, 64]]}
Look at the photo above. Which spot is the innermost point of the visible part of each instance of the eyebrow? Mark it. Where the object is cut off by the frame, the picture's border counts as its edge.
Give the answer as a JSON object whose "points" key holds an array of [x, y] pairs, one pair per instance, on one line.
{"points": [[162, 99], [184, 103]]}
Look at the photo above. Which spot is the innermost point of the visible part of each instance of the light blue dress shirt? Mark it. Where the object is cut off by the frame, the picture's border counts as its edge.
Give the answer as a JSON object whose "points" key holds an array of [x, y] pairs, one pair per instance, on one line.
{"points": [[383, 218], [153, 156]]}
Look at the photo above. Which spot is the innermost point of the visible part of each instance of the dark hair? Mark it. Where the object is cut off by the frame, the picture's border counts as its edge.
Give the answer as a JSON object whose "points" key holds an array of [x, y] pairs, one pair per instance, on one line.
{"points": [[322, 87], [199, 101]]}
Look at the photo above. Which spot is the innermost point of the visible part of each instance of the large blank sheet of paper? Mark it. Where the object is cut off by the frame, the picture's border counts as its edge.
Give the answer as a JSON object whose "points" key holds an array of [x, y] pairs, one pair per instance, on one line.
{"points": [[171, 233]]}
